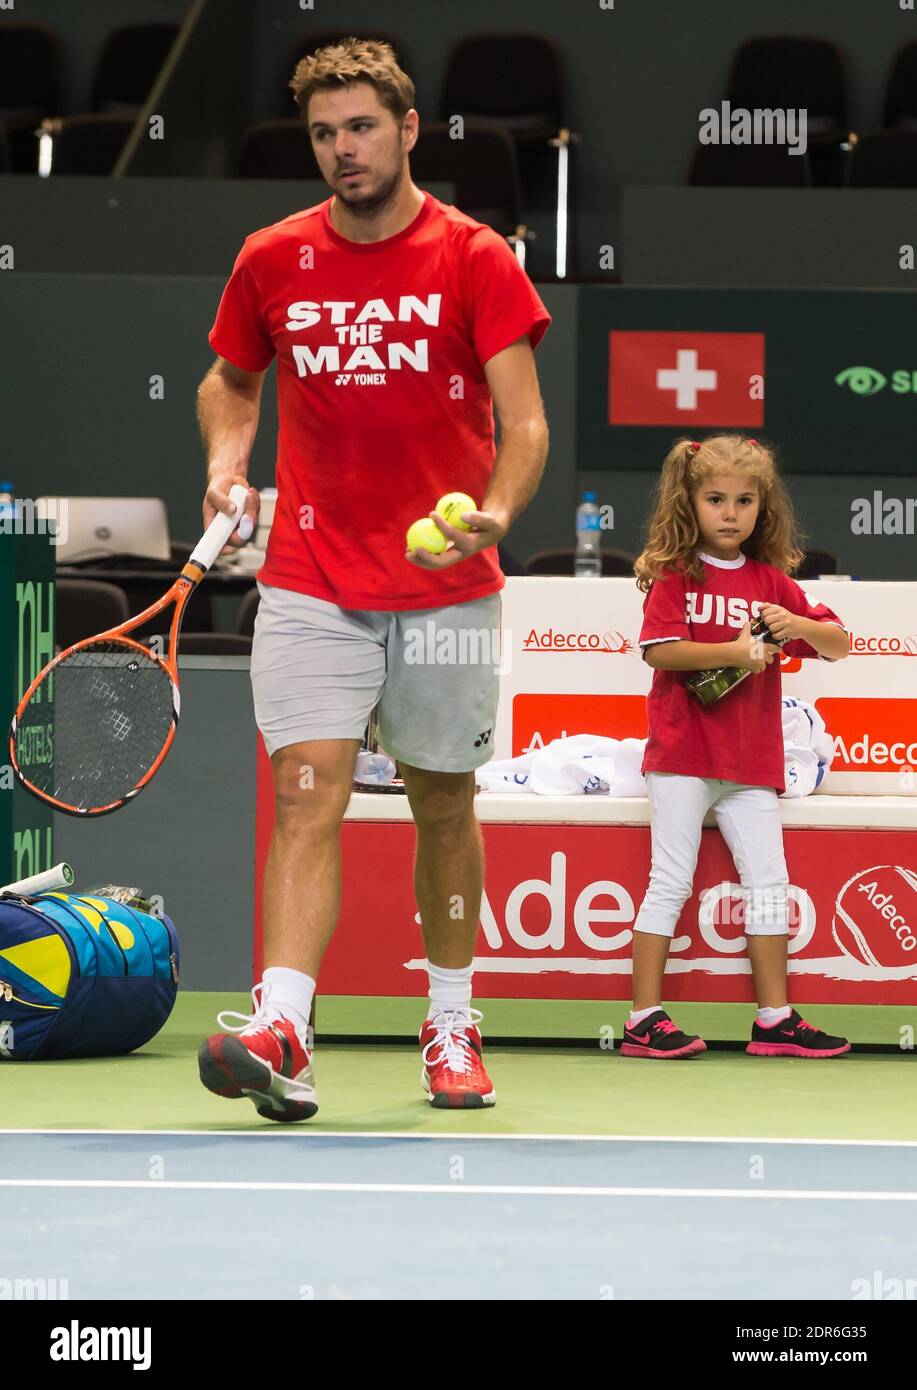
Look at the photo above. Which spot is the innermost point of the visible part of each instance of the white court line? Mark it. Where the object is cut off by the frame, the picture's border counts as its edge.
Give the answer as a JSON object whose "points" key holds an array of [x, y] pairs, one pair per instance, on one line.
{"points": [[469, 1189], [315, 1133]]}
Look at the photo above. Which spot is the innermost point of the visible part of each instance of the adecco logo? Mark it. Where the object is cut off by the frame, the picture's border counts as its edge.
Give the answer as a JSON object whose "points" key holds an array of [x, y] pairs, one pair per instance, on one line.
{"points": [[538, 717], [875, 916], [883, 646], [576, 911], [554, 640], [870, 735]]}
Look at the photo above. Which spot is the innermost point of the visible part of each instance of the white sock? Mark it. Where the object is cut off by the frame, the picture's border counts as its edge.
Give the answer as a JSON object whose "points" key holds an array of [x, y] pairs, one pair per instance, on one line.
{"points": [[637, 1017], [288, 994], [450, 990], [768, 1017]]}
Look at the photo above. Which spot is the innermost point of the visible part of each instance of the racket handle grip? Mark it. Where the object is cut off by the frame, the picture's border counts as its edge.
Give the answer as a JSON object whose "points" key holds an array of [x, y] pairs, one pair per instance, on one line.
{"points": [[61, 876], [219, 530]]}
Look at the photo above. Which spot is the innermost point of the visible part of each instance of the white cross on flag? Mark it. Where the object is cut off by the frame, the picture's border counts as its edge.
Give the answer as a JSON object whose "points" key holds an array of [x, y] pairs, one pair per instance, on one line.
{"points": [[685, 378]]}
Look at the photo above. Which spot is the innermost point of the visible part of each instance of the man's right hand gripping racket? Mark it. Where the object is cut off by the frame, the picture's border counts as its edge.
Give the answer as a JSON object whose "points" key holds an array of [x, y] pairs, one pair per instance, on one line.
{"points": [[95, 725]]}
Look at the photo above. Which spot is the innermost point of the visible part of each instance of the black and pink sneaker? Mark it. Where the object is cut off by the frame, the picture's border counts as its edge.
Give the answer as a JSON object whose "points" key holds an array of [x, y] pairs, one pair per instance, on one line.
{"points": [[793, 1037], [657, 1036]]}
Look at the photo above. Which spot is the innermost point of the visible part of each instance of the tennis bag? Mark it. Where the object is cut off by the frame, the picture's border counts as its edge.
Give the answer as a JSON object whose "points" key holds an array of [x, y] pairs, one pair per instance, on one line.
{"points": [[82, 976]]}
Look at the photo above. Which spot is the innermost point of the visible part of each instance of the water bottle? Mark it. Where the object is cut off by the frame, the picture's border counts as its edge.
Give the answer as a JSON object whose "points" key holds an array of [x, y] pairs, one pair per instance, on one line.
{"points": [[7, 502], [588, 559], [374, 769]]}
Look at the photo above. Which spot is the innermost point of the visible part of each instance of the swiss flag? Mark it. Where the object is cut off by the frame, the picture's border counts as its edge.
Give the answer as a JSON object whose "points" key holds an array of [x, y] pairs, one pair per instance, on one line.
{"points": [[685, 379]]}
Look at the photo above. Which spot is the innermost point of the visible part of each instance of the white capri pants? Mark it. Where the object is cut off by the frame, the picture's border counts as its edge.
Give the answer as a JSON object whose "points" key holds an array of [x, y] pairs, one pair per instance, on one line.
{"points": [[749, 821]]}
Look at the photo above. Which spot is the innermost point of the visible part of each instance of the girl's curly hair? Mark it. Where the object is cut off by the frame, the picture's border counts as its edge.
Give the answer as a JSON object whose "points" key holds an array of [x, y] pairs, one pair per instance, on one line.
{"points": [[673, 536]]}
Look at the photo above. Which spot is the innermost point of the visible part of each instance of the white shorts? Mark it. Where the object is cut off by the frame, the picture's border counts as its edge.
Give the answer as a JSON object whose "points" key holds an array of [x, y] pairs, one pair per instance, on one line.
{"points": [[749, 821], [319, 671]]}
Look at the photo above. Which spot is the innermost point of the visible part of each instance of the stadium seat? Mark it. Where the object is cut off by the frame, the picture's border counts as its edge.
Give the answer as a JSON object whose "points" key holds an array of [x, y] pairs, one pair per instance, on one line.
{"points": [[900, 109], [131, 59], [516, 81], [83, 607], [248, 608], [277, 150], [787, 71], [482, 165], [748, 166], [884, 159], [513, 80], [29, 88], [215, 644], [817, 562], [615, 563], [87, 144]]}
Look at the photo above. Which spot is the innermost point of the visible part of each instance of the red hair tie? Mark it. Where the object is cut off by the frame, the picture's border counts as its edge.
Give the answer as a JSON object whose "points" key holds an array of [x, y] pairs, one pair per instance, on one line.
{"points": [[753, 441], [694, 444]]}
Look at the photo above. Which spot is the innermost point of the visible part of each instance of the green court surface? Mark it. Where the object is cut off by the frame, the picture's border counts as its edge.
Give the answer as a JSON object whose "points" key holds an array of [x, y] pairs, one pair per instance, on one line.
{"points": [[374, 1087]]}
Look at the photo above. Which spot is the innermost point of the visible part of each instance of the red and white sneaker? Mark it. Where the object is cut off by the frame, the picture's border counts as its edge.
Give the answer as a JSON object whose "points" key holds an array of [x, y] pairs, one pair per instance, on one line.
{"points": [[268, 1061], [453, 1075]]}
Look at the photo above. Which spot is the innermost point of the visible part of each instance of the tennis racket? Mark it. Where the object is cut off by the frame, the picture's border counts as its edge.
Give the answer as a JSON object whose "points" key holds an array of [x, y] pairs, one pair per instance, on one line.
{"points": [[61, 876], [96, 724]]}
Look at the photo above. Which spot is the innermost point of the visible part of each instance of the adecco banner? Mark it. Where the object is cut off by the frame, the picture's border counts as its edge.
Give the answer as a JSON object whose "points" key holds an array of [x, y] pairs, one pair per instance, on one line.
{"points": [[571, 665], [560, 904]]}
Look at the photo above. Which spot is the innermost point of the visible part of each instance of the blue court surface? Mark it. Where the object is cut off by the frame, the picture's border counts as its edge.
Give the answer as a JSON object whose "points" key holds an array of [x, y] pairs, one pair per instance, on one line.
{"points": [[294, 1215]]}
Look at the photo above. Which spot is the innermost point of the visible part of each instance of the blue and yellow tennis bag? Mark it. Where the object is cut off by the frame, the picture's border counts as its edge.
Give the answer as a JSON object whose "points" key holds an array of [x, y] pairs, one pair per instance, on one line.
{"points": [[82, 976]]}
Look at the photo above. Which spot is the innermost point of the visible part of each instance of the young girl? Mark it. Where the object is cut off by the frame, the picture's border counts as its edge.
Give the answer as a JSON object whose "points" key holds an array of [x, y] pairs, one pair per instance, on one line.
{"points": [[721, 541]]}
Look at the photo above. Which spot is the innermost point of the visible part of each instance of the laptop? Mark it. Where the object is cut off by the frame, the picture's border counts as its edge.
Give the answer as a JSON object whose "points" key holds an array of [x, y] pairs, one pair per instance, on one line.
{"points": [[94, 528]]}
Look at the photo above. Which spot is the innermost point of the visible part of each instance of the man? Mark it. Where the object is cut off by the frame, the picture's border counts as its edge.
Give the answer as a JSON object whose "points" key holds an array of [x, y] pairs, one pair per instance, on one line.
{"points": [[396, 322]]}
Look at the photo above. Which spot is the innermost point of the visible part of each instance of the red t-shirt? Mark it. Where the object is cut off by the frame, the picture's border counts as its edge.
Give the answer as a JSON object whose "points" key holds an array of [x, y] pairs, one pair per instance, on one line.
{"points": [[382, 398], [740, 738]]}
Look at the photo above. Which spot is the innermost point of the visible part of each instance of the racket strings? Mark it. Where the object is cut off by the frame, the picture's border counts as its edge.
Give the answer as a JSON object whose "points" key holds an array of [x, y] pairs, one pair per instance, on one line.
{"points": [[95, 725]]}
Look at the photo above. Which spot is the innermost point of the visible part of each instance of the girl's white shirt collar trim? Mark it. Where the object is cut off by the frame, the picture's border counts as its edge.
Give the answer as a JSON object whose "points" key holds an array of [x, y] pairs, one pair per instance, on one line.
{"points": [[721, 564]]}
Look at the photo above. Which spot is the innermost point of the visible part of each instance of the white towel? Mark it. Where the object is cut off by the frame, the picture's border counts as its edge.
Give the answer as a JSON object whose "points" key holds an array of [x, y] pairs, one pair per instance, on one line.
{"points": [[568, 766], [808, 748], [593, 764], [505, 774], [629, 780]]}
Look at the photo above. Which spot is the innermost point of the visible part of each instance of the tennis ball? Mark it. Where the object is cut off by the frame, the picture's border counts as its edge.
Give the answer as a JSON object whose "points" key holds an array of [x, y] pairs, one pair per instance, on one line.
{"points": [[427, 534], [451, 506]]}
